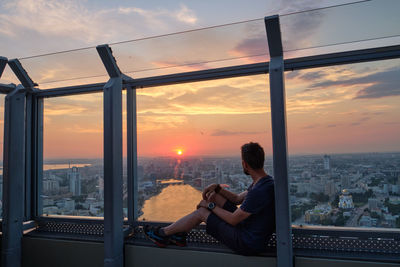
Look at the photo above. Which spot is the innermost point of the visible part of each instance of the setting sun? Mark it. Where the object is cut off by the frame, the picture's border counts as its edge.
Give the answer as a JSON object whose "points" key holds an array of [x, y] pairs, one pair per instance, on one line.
{"points": [[179, 152]]}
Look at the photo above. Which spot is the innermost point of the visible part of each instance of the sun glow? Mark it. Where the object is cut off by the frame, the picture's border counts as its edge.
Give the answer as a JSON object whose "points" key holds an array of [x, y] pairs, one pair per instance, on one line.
{"points": [[179, 152]]}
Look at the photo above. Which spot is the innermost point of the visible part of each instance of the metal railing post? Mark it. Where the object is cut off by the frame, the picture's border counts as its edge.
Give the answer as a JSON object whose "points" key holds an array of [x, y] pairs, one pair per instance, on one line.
{"points": [[113, 191], [13, 177], [17, 163], [132, 154], [278, 120]]}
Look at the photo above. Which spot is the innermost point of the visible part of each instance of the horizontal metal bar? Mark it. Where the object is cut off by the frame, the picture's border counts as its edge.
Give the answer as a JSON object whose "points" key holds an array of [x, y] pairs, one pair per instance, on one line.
{"points": [[356, 56], [72, 90], [358, 232], [29, 225], [219, 73], [340, 58], [195, 76], [6, 88]]}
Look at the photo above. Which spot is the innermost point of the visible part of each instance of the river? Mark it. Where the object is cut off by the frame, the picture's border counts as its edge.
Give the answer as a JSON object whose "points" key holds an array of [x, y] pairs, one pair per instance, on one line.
{"points": [[173, 202]]}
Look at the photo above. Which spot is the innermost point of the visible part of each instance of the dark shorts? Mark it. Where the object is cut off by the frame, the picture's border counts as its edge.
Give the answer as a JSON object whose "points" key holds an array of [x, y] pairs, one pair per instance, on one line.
{"points": [[225, 233]]}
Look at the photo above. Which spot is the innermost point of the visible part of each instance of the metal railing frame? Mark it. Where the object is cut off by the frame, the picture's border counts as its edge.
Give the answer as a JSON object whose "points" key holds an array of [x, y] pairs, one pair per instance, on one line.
{"points": [[33, 139]]}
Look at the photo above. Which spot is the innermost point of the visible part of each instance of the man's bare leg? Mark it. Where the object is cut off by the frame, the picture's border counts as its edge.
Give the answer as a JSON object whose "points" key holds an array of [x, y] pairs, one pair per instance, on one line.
{"points": [[193, 219], [188, 222]]}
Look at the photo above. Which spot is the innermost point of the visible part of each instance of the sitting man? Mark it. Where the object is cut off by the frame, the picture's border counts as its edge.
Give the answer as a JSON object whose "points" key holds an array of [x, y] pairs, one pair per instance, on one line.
{"points": [[246, 229]]}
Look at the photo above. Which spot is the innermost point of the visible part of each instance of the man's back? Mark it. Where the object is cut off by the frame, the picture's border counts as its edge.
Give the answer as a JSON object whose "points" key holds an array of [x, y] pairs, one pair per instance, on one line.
{"points": [[260, 202]]}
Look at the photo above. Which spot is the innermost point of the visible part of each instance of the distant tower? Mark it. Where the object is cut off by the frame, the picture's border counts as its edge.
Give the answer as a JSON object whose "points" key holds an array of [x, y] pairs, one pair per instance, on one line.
{"points": [[101, 186], [74, 178], [327, 162]]}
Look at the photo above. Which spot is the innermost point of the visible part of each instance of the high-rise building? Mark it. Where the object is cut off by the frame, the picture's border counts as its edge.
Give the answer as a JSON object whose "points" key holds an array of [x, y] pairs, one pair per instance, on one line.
{"points": [[373, 203], [74, 178], [345, 181], [330, 188], [327, 162]]}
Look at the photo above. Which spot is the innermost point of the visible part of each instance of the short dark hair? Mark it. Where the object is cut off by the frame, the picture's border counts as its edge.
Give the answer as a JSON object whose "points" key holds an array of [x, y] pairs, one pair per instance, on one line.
{"points": [[253, 154]]}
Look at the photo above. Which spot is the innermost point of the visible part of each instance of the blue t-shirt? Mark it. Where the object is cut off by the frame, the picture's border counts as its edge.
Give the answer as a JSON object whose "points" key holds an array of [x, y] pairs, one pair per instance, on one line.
{"points": [[260, 202]]}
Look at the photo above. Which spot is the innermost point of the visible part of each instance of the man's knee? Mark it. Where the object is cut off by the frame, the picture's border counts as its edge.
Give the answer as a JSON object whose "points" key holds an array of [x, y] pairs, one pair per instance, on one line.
{"points": [[203, 214]]}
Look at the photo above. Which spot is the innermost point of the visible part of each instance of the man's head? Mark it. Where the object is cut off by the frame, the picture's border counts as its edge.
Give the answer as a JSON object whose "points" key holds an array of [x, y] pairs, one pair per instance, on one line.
{"points": [[253, 157]]}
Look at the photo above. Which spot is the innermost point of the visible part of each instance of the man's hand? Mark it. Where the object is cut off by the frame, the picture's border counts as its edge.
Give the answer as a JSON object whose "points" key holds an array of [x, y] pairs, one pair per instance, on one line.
{"points": [[208, 190], [203, 203]]}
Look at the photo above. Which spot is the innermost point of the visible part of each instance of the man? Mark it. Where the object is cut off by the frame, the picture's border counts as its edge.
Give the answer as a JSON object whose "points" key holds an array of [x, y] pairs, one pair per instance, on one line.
{"points": [[246, 229]]}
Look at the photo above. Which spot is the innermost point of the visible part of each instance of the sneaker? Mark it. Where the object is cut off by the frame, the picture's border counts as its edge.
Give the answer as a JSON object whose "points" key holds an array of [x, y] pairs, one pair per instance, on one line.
{"points": [[178, 239], [152, 234]]}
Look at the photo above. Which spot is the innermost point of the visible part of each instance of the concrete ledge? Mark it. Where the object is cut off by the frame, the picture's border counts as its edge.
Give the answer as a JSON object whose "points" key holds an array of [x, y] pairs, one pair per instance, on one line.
{"points": [[136, 256], [45, 252], [313, 262]]}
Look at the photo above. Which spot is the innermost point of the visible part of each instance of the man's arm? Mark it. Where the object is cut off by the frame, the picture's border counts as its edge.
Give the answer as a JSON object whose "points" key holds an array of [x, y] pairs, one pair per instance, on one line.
{"points": [[232, 197], [229, 217]]}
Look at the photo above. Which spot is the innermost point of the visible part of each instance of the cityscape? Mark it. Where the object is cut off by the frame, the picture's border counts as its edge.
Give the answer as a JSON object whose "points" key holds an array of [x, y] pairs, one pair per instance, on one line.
{"points": [[352, 190]]}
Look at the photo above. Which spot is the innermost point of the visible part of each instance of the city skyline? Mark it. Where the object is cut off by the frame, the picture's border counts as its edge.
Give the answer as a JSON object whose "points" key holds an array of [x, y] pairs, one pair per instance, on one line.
{"points": [[353, 190]]}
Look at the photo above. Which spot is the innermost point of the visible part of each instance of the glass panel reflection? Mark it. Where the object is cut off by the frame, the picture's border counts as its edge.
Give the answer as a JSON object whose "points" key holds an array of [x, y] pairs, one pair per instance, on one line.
{"points": [[323, 30], [66, 68], [189, 136], [73, 181], [343, 135], [212, 47]]}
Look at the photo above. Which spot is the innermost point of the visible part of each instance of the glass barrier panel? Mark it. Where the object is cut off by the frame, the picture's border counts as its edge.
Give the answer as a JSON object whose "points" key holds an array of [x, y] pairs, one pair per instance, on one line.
{"points": [[189, 136], [220, 46], [344, 145], [8, 76], [335, 29], [73, 176], [67, 68], [2, 98]]}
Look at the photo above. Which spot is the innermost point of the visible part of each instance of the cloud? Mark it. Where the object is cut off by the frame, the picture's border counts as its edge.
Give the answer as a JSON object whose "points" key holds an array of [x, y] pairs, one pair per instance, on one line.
{"points": [[252, 46], [78, 129], [73, 24], [230, 133], [377, 85], [183, 14], [310, 126]]}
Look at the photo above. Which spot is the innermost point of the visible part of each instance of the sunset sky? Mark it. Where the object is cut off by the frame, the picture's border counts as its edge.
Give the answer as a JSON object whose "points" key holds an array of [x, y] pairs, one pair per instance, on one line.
{"points": [[342, 109]]}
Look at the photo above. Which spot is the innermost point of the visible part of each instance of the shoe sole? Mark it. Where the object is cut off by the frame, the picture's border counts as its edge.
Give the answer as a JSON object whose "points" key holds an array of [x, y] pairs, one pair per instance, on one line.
{"points": [[161, 245], [178, 243]]}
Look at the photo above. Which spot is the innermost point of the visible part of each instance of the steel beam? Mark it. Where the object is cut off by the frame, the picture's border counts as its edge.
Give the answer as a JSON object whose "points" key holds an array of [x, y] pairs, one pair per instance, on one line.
{"points": [[279, 144], [21, 74], [13, 177], [34, 201], [6, 88], [109, 61], [132, 155], [113, 189]]}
